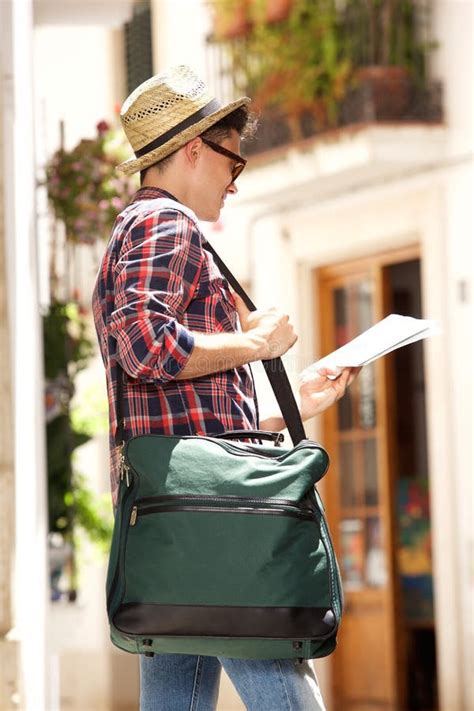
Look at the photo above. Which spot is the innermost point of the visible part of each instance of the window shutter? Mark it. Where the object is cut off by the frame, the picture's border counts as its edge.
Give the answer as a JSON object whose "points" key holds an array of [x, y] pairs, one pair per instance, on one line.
{"points": [[138, 48]]}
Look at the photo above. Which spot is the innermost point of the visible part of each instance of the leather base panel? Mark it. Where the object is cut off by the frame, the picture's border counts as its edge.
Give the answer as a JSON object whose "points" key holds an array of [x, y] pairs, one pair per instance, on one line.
{"points": [[216, 621]]}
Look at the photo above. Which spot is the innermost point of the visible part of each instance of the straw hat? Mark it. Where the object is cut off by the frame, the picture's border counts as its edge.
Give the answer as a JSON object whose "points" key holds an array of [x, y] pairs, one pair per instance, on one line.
{"points": [[167, 111]]}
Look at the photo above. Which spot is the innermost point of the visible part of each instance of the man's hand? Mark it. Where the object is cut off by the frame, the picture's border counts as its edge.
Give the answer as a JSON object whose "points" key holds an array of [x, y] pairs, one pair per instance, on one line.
{"points": [[271, 329], [320, 392]]}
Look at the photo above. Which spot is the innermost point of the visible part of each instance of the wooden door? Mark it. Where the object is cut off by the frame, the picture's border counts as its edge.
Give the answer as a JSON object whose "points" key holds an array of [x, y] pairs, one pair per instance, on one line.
{"points": [[358, 494]]}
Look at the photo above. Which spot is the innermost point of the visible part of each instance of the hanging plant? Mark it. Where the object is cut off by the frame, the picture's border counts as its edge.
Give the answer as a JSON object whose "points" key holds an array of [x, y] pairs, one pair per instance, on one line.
{"points": [[84, 188]]}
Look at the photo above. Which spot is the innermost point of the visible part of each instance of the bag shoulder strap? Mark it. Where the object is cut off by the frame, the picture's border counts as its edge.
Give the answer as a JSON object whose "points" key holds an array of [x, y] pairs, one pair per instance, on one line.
{"points": [[274, 367]]}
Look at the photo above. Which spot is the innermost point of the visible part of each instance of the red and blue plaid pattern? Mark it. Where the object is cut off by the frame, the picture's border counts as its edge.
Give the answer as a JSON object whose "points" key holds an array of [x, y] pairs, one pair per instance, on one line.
{"points": [[156, 285]]}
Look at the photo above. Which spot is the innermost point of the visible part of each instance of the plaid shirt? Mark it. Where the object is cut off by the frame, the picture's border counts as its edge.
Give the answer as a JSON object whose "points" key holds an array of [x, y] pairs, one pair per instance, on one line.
{"points": [[156, 285]]}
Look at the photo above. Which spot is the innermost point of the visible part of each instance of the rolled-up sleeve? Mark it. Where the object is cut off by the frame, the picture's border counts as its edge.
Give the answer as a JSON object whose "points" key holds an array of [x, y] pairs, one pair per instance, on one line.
{"points": [[155, 278]]}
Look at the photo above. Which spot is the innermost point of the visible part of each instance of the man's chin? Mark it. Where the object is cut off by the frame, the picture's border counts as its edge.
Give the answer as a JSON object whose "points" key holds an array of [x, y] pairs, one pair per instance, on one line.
{"points": [[214, 217], [210, 216]]}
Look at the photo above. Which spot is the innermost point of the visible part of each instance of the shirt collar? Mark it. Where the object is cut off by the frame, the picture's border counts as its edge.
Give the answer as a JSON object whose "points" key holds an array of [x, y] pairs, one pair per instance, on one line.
{"points": [[150, 193]]}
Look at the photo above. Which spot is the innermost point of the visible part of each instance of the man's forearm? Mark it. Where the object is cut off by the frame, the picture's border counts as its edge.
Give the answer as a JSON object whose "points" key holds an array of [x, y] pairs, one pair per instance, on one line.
{"points": [[275, 423], [265, 334], [213, 353]]}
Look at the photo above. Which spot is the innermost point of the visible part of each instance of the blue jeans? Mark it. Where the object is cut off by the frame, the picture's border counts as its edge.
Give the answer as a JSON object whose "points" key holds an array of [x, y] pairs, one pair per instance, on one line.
{"points": [[183, 682]]}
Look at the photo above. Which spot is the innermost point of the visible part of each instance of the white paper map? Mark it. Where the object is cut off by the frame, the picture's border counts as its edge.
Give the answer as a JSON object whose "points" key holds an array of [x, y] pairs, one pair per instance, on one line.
{"points": [[387, 335]]}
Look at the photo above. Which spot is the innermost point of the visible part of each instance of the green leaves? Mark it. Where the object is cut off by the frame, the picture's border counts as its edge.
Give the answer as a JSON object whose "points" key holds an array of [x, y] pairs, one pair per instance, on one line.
{"points": [[67, 347], [298, 64], [67, 350], [308, 61]]}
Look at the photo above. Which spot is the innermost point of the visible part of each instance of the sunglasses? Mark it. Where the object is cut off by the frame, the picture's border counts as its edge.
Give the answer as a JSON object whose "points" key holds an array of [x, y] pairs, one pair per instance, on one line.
{"points": [[240, 162]]}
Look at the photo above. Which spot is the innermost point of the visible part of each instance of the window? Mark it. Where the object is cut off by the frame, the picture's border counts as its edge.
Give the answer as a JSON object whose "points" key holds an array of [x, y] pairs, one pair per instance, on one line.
{"points": [[138, 46]]}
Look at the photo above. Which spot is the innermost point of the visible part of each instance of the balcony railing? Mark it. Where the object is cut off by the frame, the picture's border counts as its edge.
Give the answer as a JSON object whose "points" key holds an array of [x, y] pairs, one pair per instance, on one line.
{"points": [[379, 91], [361, 105]]}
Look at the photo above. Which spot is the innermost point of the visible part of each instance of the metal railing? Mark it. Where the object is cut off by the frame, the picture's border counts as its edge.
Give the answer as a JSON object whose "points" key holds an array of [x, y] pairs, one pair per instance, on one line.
{"points": [[405, 96]]}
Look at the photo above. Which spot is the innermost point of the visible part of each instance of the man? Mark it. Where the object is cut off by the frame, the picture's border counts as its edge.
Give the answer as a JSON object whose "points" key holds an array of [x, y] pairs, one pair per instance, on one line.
{"points": [[165, 313]]}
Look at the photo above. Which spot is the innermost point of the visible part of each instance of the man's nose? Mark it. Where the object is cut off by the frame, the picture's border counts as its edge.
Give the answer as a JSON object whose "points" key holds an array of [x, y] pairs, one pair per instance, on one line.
{"points": [[232, 188]]}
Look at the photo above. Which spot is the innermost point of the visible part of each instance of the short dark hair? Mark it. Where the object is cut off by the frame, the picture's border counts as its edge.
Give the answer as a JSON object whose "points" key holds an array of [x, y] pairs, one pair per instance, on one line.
{"points": [[241, 120]]}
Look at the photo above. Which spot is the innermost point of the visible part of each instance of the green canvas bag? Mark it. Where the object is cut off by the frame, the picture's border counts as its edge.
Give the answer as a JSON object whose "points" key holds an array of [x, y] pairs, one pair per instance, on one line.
{"points": [[221, 547]]}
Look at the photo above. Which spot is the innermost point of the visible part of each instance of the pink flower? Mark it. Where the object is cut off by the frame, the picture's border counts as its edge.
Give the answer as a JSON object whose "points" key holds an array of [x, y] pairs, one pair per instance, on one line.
{"points": [[102, 127]]}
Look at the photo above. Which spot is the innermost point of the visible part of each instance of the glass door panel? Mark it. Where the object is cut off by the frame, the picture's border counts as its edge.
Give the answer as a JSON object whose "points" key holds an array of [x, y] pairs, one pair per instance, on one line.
{"points": [[363, 558], [375, 560], [367, 409], [353, 553], [371, 486], [348, 487]]}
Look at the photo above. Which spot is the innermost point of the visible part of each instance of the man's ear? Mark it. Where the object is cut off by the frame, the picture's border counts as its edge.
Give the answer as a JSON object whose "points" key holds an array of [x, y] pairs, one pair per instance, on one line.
{"points": [[192, 151]]}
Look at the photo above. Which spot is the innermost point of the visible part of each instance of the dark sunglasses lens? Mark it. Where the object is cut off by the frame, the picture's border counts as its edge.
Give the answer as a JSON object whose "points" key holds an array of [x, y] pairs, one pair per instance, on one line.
{"points": [[236, 171]]}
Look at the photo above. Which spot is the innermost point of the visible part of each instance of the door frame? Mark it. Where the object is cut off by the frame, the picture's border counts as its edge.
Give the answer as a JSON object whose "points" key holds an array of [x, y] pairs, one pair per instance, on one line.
{"points": [[325, 278]]}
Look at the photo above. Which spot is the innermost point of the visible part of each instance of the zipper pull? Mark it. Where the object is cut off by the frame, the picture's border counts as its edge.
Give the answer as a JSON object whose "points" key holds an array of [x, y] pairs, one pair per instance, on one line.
{"points": [[133, 516], [124, 468], [124, 471], [279, 438], [122, 461]]}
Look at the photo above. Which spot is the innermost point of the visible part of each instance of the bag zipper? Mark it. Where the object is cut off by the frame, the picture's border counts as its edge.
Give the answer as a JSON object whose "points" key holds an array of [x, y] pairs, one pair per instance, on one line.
{"points": [[335, 575], [219, 504], [234, 449]]}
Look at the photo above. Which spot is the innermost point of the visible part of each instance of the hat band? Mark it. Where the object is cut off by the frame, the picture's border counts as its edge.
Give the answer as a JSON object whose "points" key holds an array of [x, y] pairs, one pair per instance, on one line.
{"points": [[205, 111]]}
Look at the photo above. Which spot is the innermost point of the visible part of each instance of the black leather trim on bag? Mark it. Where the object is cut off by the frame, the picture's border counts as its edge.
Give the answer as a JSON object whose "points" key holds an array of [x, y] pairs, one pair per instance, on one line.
{"points": [[223, 621]]}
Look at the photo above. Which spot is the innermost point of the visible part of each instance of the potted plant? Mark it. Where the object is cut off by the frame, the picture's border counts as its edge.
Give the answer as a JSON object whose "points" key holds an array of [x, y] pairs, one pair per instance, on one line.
{"points": [[277, 10], [231, 18], [383, 40], [234, 18]]}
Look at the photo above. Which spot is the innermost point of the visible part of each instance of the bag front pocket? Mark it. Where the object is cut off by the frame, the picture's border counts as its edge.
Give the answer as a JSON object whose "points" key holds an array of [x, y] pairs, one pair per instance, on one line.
{"points": [[231, 565], [225, 550]]}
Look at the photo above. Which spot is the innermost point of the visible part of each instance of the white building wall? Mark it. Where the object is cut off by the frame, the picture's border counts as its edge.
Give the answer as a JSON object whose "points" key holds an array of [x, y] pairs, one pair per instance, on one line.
{"points": [[79, 79], [9, 668], [179, 28], [454, 64], [28, 533]]}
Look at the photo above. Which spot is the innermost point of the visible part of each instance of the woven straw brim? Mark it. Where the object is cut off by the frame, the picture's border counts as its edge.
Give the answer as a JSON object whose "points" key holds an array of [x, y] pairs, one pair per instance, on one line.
{"points": [[133, 165]]}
